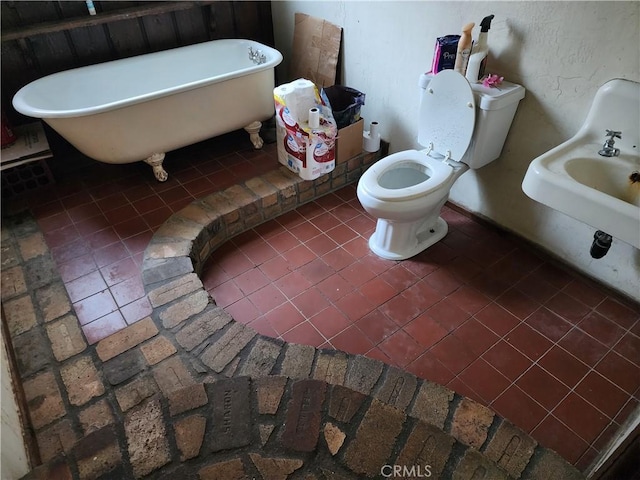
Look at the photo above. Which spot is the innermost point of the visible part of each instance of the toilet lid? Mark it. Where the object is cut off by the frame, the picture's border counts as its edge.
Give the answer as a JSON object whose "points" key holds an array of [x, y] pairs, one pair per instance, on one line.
{"points": [[447, 114]]}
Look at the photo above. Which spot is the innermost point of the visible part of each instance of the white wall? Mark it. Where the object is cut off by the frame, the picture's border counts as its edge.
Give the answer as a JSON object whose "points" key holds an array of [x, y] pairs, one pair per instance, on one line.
{"points": [[13, 460], [561, 52]]}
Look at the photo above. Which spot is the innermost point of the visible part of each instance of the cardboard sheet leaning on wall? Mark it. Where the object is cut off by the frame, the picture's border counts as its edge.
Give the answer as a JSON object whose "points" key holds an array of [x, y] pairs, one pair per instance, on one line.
{"points": [[316, 45]]}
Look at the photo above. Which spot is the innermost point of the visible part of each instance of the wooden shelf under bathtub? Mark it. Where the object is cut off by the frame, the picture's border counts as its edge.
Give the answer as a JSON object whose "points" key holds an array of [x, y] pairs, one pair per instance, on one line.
{"points": [[31, 145]]}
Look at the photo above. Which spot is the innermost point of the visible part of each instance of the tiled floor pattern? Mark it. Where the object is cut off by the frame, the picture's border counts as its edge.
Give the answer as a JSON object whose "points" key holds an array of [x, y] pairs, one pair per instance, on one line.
{"points": [[478, 312], [98, 220]]}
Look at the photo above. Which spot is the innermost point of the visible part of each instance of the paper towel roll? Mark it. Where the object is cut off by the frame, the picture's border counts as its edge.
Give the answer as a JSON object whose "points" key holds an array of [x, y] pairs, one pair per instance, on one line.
{"points": [[287, 93], [305, 97], [314, 117], [304, 85], [374, 130], [283, 89], [298, 96], [371, 138]]}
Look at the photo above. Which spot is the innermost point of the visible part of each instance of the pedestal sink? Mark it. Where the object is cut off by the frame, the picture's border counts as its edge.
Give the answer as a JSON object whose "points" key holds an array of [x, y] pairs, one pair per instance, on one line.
{"points": [[600, 191]]}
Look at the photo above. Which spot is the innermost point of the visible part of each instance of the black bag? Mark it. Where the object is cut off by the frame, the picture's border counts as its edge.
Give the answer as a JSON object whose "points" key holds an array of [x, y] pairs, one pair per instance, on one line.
{"points": [[345, 104]]}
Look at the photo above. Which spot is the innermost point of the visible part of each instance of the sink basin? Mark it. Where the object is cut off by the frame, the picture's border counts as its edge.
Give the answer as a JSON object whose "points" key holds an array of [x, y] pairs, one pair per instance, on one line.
{"points": [[609, 176], [575, 180]]}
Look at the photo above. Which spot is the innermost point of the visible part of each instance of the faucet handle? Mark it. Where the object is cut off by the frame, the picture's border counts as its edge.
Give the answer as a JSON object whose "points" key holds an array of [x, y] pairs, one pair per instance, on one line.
{"points": [[613, 134]]}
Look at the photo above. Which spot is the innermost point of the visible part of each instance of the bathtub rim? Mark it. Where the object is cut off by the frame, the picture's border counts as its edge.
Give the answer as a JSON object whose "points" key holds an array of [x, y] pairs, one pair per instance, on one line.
{"points": [[274, 59]]}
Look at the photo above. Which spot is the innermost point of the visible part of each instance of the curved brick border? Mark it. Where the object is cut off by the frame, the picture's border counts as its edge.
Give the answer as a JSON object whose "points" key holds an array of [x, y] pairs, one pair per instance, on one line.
{"points": [[273, 427], [81, 397]]}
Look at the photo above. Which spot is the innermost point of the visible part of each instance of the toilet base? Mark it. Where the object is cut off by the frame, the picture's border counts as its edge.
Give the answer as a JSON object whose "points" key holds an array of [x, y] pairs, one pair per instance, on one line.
{"points": [[425, 239]]}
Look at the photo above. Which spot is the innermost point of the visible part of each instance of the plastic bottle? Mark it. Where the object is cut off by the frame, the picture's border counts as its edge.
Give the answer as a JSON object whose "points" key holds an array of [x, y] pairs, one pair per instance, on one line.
{"points": [[91, 7], [479, 52], [464, 49]]}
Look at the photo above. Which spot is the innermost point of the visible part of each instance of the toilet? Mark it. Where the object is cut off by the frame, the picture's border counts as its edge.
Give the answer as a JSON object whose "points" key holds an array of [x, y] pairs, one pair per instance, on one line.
{"points": [[462, 126]]}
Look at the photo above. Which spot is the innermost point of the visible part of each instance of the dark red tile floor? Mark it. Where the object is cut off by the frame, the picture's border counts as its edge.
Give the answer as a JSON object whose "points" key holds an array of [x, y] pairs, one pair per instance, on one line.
{"points": [[479, 312], [97, 219]]}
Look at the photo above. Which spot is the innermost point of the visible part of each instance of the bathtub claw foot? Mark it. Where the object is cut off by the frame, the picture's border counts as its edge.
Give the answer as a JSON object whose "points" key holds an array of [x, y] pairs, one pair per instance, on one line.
{"points": [[155, 161], [253, 129]]}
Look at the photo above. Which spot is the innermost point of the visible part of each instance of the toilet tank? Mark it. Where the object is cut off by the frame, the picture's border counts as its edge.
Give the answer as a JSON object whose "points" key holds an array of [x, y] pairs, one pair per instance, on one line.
{"points": [[495, 109]]}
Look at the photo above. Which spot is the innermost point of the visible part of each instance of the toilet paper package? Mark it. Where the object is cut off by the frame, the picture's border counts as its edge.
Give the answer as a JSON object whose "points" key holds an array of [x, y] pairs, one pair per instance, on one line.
{"points": [[305, 129]]}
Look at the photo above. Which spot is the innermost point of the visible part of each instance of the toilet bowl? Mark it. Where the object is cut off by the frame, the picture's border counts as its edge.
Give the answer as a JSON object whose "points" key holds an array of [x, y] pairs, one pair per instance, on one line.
{"points": [[406, 191]]}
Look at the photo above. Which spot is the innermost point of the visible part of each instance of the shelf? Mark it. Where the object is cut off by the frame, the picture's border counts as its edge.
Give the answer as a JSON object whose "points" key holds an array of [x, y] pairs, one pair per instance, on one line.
{"points": [[31, 145], [99, 19]]}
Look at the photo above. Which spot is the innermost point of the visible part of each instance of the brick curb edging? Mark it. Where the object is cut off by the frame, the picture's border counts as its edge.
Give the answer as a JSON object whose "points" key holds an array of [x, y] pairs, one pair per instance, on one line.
{"points": [[75, 390], [274, 426]]}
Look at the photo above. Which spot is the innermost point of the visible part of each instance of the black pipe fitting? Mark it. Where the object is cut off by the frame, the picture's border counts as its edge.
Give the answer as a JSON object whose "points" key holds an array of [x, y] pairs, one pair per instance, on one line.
{"points": [[601, 244]]}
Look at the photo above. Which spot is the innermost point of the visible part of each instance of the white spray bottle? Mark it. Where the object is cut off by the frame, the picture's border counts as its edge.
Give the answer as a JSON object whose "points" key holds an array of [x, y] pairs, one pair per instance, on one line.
{"points": [[479, 52]]}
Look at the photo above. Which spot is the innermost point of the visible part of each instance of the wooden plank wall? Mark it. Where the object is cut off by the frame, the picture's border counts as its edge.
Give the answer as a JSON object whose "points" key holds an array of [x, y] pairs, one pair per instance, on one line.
{"points": [[44, 37]]}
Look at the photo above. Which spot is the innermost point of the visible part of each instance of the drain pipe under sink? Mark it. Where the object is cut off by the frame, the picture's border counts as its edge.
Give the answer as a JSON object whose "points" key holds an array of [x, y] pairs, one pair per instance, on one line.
{"points": [[601, 244]]}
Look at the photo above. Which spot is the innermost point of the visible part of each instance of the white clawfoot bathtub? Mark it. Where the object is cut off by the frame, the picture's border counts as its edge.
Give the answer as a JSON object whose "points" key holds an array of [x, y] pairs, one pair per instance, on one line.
{"points": [[141, 107]]}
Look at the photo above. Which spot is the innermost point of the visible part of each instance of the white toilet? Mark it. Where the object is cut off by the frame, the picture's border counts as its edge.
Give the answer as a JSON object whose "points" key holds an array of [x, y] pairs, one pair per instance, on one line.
{"points": [[463, 126]]}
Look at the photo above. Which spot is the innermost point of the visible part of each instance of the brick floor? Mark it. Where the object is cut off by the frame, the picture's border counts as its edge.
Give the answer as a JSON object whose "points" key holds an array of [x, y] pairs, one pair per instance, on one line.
{"points": [[267, 427]]}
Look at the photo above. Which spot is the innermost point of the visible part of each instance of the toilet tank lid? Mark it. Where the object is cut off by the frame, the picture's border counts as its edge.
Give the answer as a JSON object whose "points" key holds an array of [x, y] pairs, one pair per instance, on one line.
{"points": [[487, 98], [495, 98]]}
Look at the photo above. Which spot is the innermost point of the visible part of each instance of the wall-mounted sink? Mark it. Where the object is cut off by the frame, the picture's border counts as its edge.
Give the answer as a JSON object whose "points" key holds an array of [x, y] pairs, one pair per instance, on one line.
{"points": [[575, 179]]}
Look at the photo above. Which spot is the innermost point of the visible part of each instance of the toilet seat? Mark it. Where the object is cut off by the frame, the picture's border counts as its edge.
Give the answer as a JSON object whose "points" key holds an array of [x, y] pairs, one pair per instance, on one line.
{"points": [[438, 172], [447, 115]]}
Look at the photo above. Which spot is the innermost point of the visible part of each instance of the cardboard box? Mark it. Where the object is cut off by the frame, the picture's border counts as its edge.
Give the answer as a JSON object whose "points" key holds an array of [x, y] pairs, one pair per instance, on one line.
{"points": [[349, 141], [30, 146]]}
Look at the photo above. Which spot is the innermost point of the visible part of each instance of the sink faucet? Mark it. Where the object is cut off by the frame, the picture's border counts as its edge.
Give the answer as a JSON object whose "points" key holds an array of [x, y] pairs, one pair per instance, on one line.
{"points": [[608, 150]]}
